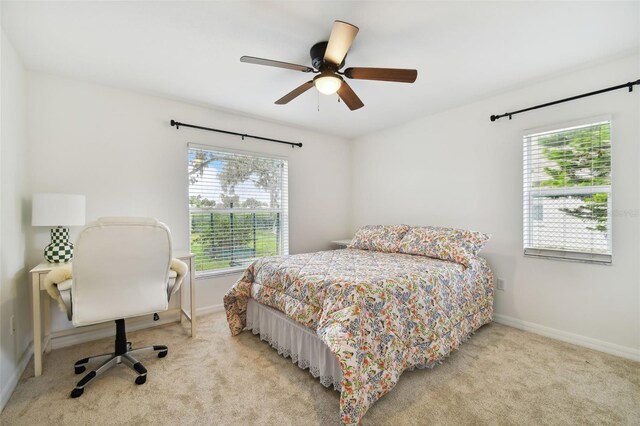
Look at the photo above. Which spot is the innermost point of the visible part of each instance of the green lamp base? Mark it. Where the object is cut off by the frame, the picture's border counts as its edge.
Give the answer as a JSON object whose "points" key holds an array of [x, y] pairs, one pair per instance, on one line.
{"points": [[60, 250]]}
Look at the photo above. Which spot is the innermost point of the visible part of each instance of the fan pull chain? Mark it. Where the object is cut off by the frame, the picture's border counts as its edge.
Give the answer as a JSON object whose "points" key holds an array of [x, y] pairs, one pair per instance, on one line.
{"points": [[318, 94]]}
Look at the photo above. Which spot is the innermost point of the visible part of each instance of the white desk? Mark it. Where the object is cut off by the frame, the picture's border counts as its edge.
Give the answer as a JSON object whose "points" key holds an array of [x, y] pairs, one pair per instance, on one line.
{"points": [[38, 275]]}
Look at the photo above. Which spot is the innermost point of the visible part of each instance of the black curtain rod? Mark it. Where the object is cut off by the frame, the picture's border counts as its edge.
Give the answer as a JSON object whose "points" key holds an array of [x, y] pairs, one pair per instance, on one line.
{"points": [[628, 85], [177, 124]]}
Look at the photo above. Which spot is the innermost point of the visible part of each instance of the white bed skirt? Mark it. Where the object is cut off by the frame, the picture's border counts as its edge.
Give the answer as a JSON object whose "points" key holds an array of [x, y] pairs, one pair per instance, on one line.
{"points": [[295, 341]]}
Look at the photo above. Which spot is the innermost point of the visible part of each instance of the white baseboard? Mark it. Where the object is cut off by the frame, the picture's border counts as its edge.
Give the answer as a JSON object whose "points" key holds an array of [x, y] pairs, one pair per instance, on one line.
{"points": [[576, 339], [204, 310], [75, 336], [11, 384]]}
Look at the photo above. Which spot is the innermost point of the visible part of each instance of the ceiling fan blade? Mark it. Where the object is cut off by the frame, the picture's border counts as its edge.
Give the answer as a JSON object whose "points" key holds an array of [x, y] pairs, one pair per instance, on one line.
{"points": [[278, 64], [349, 97], [295, 93], [382, 74], [340, 40]]}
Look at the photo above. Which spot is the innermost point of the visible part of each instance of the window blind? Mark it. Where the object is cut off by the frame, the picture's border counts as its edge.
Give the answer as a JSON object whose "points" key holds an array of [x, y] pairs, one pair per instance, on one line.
{"points": [[238, 205], [567, 193]]}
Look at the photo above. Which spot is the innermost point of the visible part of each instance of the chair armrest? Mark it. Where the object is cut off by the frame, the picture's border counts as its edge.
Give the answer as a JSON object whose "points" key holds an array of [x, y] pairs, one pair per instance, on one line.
{"points": [[65, 294], [57, 282], [177, 272]]}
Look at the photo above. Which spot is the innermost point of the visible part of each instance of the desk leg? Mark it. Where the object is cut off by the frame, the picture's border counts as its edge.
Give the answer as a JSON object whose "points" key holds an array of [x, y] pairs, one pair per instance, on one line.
{"points": [[192, 290], [47, 323], [37, 328]]}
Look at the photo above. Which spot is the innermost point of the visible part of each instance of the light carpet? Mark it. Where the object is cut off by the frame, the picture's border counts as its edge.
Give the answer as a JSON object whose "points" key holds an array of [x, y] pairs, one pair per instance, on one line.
{"points": [[500, 376]]}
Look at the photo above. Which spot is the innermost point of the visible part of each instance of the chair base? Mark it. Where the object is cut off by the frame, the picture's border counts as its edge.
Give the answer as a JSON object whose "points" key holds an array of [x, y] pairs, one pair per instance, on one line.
{"points": [[123, 354]]}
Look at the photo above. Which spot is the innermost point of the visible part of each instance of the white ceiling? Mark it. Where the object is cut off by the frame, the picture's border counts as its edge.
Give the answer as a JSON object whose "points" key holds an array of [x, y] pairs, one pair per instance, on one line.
{"points": [[191, 50]]}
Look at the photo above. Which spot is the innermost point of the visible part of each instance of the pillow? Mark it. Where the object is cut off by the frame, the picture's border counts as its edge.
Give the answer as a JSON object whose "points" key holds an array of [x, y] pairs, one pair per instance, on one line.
{"points": [[385, 238], [456, 245]]}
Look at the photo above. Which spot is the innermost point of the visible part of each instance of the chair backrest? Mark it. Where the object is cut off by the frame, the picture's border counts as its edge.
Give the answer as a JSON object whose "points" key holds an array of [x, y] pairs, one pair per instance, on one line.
{"points": [[120, 269]]}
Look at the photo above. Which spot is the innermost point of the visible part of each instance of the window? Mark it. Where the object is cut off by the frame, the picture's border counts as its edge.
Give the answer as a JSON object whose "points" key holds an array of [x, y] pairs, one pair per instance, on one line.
{"points": [[567, 193], [238, 208]]}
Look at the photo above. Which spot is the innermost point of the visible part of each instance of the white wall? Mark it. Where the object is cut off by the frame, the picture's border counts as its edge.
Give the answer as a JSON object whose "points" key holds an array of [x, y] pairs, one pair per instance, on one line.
{"points": [[118, 149], [457, 168], [14, 290]]}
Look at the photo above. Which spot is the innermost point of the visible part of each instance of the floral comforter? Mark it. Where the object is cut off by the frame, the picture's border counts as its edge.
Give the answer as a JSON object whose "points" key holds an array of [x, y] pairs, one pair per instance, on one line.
{"points": [[379, 313]]}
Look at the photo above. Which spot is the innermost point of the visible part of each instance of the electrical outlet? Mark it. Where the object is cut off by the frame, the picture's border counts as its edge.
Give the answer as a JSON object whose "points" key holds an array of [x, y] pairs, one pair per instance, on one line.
{"points": [[500, 284], [12, 325]]}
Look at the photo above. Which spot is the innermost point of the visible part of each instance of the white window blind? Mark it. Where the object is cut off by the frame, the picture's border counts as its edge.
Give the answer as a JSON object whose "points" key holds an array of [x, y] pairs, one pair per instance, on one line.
{"points": [[238, 208], [567, 193]]}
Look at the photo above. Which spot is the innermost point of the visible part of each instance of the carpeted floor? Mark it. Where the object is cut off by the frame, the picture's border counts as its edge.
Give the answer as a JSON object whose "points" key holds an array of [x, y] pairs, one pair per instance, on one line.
{"points": [[500, 376]]}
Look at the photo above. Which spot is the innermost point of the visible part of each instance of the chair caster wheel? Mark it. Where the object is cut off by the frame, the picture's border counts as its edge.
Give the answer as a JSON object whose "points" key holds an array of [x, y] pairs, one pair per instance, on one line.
{"points": [[77, 392], [80, 369], [162, 354], [140, 380]]}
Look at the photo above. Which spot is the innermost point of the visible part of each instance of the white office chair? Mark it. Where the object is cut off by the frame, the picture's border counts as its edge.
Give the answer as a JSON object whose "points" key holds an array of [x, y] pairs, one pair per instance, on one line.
{"points": [[120, 270]]}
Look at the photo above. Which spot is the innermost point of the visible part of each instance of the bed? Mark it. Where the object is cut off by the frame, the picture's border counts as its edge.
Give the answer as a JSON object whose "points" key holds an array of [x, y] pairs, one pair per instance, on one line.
{"points": [[359, 318]]}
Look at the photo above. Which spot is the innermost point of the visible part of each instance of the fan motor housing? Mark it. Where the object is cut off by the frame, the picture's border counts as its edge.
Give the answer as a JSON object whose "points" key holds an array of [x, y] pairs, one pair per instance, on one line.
{"points": [[317, 56]]}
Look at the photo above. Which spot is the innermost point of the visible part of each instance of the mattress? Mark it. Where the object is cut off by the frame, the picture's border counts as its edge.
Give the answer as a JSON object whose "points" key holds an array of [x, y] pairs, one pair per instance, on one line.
{"points": [[378, 313]]}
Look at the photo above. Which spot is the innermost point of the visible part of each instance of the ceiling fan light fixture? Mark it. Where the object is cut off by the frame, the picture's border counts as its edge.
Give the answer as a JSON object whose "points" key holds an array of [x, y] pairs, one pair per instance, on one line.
{"points": [[327, 84], [327, 59]]}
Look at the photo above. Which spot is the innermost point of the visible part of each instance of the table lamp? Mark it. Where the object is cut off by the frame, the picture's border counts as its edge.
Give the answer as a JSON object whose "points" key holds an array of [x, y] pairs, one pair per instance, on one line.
{"points": [[58, 211]]}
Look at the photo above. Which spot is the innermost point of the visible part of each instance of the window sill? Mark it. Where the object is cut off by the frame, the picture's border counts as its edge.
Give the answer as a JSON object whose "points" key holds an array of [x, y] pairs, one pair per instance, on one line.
{"points": [[214, 274], [569, 256]]}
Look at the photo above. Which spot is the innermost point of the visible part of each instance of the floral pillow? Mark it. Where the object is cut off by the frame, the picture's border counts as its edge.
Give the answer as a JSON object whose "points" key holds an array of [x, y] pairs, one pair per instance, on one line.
{"points": [[385, 238], [456, 245]]}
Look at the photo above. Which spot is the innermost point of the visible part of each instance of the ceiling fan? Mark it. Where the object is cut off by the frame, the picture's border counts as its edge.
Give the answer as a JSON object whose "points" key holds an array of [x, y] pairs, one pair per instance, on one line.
{"points": [[327, 58]]}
